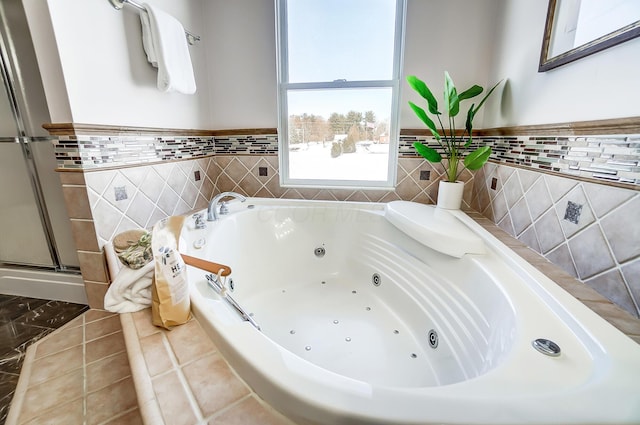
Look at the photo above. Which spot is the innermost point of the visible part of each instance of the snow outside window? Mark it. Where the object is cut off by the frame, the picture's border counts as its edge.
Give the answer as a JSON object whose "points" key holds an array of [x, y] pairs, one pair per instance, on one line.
{"points": [[338, 89]]}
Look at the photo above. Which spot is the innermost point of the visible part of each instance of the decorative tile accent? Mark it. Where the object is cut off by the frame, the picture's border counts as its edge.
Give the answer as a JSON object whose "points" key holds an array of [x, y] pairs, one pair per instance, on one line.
{"points": [[572, 212], [120, 193], [607, 158], [247, 145], [86, 152]]}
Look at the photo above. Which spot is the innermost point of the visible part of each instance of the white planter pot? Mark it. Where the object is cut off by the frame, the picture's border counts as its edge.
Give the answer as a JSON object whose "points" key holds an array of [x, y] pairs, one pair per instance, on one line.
{"points": [[450, 195]]}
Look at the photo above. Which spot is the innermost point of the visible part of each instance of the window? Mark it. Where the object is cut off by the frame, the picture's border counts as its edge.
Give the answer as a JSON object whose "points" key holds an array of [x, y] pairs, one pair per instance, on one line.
{"points": [[338, 89]]}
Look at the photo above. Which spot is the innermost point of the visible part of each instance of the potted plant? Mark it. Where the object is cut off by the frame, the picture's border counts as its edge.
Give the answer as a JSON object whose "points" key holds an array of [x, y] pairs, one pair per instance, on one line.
{"points": [[453, 144]]}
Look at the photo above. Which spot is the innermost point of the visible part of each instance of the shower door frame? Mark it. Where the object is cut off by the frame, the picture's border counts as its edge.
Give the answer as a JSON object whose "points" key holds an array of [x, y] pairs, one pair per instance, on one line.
{"points": [[24, 141]]}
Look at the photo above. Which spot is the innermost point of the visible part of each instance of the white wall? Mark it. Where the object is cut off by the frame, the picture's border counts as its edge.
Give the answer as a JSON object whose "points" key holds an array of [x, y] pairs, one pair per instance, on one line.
{"points": [[455, 36], [108, 81], [102, 64], [242, 60], [601, 86], [241, 63]]}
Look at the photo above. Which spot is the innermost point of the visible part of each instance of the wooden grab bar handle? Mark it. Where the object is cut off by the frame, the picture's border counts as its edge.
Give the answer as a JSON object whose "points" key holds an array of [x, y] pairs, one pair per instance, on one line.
{"points": [[209, 266]]}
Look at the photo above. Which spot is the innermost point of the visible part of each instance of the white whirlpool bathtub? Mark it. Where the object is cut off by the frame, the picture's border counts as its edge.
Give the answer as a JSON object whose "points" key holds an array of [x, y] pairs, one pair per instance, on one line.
{"points": [[401, 313]]}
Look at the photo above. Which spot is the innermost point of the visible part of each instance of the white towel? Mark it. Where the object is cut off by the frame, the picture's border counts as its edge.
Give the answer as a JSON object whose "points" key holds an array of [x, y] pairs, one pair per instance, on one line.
{"points": [[131, 289], [147, 41], [167, 46]]}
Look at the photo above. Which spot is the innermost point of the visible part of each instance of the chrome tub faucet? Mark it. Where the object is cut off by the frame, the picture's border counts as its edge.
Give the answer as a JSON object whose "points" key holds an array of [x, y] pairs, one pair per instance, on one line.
{"points": [[212, 211]]}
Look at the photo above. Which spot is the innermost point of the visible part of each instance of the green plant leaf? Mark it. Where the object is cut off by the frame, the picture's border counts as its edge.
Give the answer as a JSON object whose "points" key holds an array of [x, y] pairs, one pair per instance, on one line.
{"points": [[469, 124], [425, 119], [476, 159], [427, 153], [469, 93], [419, 86], [451, 100], [486, 96]]}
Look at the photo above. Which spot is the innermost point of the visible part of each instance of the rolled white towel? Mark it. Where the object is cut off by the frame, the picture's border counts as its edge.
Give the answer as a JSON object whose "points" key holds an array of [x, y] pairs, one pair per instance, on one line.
{"points": [[131, 290]]}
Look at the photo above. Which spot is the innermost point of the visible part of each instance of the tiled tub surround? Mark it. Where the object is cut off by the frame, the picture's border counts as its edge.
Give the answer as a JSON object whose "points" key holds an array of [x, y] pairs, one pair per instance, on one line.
{"points": [[182, 379], [590, 230], [104, 201]]}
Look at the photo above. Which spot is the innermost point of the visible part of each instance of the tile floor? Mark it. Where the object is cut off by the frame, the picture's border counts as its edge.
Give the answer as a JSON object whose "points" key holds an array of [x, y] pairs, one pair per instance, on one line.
{"points": [[24, 321], [79, 374], [182, 378]]}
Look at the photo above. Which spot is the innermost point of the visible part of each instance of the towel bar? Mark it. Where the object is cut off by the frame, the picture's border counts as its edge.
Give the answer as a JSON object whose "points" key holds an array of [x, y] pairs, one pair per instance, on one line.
{"points": [[119, 4]]}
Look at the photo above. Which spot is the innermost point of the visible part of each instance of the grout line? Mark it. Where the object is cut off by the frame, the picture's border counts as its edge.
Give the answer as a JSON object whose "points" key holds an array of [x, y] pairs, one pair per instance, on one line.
{"points": [[101, 336], [183, 380], [229, 406], [617, 266], [119, 415]]}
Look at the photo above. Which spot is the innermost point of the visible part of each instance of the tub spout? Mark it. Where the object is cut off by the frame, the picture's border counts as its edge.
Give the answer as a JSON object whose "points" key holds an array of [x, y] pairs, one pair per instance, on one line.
{"points": [[212, 211]]}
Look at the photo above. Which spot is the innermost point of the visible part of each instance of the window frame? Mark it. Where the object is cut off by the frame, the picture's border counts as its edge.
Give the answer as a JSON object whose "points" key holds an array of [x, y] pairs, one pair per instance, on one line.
{"points": [[284, 86]]}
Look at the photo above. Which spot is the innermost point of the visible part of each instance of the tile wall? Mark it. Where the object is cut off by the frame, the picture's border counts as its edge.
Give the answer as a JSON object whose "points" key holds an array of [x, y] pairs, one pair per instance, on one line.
{"points": [[588, 229]]}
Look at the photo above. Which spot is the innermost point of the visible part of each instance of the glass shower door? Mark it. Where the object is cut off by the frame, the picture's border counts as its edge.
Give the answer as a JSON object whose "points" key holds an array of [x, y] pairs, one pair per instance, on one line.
{"points": [[22, 237]]}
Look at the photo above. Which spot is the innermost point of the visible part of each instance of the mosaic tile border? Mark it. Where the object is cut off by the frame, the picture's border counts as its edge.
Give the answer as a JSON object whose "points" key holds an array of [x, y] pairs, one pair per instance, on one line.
{"points": [[604, 158], [247, 145], [89, 152]]}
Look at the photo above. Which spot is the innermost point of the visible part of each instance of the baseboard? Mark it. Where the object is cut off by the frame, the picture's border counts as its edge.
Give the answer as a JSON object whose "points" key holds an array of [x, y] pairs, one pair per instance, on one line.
{"points": [[43, 284]]}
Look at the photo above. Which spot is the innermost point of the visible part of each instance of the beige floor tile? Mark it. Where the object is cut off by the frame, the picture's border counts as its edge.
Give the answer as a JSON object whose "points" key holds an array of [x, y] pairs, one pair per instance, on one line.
{"points": [[130, 418], [213, 384], [51, 393], [60, 340], [78, 321], [249, 412], [105, 372], [68, 414], [173, 401], [144, 326], [102, 327], [189, 342], [155, 354], [111, 401], [95, 314], [56, 364], [105, 346]]}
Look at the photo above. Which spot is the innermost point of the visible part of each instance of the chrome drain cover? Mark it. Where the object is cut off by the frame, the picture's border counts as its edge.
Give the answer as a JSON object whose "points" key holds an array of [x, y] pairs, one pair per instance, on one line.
{"points": [[546, 347]]}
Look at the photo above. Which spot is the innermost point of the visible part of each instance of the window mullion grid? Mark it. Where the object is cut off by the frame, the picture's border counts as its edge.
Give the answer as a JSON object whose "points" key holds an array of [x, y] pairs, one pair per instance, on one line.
{"points": [[338, 85]]}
